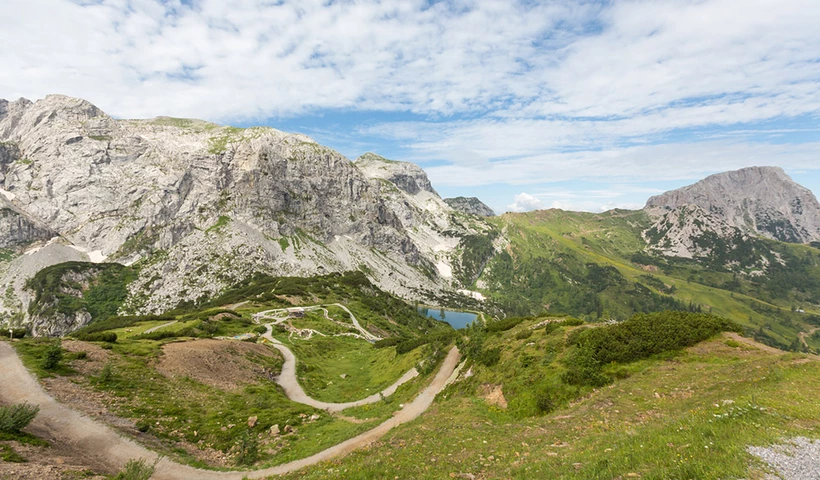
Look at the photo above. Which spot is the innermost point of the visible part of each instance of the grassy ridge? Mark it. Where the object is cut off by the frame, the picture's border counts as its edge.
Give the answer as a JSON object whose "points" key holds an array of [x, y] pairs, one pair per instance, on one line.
{"points": [[683, 414], [593, 265]]}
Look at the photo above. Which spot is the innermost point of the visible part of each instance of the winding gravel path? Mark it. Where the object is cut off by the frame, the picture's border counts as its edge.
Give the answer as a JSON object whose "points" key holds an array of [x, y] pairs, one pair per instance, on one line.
{"points": [[60, 424], [290, 383], [159, 327]]}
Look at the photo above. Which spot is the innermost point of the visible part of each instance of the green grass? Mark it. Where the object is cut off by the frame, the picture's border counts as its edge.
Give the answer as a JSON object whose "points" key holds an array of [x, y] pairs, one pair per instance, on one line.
{"points": [[321, 361], [220, 223], [582, 264], [712, 402], [32, 351]]}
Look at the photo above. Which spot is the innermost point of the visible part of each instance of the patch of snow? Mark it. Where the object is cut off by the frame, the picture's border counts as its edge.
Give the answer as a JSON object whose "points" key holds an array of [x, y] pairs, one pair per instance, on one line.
{"points": [[95, 256], [472, 294], [444, 270]]}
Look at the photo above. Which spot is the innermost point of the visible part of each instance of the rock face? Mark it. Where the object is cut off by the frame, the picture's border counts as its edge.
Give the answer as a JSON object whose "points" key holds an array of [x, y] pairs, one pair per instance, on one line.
{"points": [[202, 206], [408, 177], [430, 221], [470, 205], [758, 200]]}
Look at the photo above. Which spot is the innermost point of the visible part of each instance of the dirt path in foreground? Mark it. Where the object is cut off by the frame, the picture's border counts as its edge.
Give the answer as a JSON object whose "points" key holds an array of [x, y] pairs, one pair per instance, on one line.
{"points": [[103, 446]]}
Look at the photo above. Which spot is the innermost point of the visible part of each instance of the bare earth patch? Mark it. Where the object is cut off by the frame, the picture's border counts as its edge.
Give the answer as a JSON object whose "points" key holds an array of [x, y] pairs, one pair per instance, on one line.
{"points": [[222, 364], [54, 462]]}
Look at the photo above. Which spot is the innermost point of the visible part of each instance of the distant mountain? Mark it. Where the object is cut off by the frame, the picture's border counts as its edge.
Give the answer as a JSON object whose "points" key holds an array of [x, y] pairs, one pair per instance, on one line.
{"points": [[470, 205], [758, 200]]}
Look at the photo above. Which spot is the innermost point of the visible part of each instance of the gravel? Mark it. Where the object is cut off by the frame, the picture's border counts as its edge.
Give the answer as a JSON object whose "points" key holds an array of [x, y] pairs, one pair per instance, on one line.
{"points": [[799, 459]]}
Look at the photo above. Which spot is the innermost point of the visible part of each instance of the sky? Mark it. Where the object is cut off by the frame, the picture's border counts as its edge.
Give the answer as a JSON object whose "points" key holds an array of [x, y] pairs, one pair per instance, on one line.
{"points": [[580, 105]]}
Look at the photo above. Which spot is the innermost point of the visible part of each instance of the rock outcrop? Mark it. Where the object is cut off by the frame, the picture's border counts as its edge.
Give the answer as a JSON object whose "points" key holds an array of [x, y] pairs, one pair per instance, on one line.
{"points": [[758, 200], [470, 205], [202, 206]]}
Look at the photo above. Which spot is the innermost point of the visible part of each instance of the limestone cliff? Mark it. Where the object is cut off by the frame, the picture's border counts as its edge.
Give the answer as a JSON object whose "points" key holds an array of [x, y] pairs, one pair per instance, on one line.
{"points": [[199, 206]]}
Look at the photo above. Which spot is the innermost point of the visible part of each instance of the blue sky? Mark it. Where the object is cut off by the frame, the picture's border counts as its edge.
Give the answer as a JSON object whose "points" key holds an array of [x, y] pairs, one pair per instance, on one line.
{"points": [[525, 104]]}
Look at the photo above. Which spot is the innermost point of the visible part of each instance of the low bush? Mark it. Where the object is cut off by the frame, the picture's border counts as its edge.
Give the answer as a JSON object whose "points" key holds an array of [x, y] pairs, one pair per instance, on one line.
{"points": [[15, 332], [641, 336], [16, 417], [52, 356], [109, 337], [136, 470]]}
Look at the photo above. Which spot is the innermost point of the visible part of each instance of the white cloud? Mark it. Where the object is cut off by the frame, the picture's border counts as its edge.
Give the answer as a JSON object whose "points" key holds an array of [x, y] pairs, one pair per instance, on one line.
{"points": [[515, 92], [524, 202]]}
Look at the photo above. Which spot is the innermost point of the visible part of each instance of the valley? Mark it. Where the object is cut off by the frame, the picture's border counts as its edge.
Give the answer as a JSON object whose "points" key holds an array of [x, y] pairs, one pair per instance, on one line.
{"points": [[224, 302]]}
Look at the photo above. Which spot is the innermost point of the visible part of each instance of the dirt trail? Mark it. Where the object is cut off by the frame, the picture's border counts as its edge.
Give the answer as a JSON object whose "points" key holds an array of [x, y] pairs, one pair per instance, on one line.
{"points": [[803, 336], [158, 327], [290, 383], [101, 445]]}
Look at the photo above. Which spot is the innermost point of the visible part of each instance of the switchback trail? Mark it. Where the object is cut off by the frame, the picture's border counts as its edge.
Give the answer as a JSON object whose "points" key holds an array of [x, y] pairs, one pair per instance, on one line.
{"points": [[288, 381], [60, 424]]}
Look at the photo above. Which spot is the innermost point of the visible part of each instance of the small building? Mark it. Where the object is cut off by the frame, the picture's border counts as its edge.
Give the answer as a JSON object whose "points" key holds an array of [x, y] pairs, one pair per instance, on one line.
{"points": [[296, 312]]}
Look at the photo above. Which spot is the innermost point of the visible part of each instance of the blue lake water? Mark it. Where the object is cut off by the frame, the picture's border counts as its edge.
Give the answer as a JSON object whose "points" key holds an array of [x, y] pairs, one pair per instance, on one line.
{"points": [[456, 319]]}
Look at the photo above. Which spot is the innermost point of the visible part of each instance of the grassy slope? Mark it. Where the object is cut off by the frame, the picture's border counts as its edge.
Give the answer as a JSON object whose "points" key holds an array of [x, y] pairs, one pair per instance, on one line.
{"points": [[568, 241], [182, 409], [689, 415]]}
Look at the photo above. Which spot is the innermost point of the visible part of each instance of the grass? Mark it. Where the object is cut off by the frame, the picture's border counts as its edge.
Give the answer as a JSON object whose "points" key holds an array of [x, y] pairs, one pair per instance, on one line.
{"points": [[687, 416], [556, 259], [321, 361]]}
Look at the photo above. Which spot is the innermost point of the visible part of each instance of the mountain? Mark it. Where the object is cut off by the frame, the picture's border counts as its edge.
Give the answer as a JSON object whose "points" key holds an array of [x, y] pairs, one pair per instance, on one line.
{"points": [[758, 200], [195, 207], [471, 205]]}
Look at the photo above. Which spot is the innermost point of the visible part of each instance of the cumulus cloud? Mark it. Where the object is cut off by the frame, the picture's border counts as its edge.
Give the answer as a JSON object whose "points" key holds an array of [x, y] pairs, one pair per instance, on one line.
{"points": [[524, 202], [514, 92]]}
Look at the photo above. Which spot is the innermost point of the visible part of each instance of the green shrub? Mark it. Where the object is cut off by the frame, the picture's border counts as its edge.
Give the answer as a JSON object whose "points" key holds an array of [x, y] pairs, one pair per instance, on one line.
{"points": [[247, 449], [136, 470], [388, 342], [260, 329], [143, 425], [641, 336], [489, 357], [106, 374], [52, 356], [15, 332], [523, 334], [109, 337], [16, 417]]}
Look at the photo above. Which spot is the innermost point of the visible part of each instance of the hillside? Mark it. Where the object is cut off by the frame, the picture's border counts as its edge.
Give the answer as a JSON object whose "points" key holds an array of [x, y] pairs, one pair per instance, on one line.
{"points": [[605, 266], [527, 402]]}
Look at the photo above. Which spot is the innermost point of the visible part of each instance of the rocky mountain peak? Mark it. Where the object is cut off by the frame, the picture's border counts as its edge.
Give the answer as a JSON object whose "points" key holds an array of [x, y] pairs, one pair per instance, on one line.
{"points": [[470, 205], [405, 175], [759, 200]]}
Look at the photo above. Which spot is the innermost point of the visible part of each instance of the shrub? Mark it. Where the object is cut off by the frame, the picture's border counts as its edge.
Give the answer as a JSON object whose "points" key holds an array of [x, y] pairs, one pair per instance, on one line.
{"points": [[544, 402], [641, 336], [106, 374], [489, 357], [388, 342], [52, 356], [136, 470], [109, 337], [523, 334], [260, 329], [143, 425], [15, 332], [16, 417], [247, 449]]}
